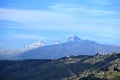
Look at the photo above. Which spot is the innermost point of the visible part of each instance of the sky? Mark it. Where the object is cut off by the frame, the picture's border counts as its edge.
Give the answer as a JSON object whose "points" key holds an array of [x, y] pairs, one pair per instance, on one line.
{"points": [[25, 21]]}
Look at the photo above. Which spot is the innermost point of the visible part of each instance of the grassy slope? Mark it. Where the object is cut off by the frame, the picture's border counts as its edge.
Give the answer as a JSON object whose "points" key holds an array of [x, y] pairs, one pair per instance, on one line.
{"points": [[98, 67]]}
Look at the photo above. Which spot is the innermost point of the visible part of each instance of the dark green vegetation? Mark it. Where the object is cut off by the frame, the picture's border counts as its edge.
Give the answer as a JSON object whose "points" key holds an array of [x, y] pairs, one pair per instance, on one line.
{"points": [[83, 67]]}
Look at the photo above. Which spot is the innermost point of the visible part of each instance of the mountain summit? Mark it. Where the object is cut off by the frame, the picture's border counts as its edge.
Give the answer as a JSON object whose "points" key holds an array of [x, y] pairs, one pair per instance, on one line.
{"points": [[74, 38], [35, 45]]}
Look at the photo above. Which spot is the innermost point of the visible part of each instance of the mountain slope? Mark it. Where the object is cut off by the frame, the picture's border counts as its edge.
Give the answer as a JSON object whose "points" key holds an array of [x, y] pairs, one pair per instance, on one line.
{"points": [[83, 67], [9, 53], [74, 46]]}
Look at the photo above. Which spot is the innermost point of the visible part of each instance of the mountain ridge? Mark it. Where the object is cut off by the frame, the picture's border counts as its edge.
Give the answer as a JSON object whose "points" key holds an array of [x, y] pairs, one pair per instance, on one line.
{"points": [[81, 67], [74, 46]]}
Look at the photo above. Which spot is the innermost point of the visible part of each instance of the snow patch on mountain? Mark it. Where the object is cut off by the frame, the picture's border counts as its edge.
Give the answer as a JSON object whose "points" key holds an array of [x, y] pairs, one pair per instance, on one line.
{"points": [[74, 38], [34, 45], [57, 42]]}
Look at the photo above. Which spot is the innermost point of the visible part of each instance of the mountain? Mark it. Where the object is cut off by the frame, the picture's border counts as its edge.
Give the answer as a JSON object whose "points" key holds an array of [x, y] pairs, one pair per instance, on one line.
{"points": [[74, 38], [34, 45], [74, 46], [10, 54], [82, 67]]}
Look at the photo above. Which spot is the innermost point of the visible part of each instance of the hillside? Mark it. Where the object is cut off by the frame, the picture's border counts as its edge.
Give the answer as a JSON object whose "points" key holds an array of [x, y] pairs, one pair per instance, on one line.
{"points": [[82, 67]]}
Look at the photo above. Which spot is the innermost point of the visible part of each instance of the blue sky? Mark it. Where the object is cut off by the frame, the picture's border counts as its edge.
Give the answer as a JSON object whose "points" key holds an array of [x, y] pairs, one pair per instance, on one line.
{"points": [[25, 21]]}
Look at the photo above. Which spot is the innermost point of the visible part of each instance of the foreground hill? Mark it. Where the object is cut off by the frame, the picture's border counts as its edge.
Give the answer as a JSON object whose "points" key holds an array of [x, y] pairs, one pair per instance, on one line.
{"points": [[75, 46], [83, 67]]}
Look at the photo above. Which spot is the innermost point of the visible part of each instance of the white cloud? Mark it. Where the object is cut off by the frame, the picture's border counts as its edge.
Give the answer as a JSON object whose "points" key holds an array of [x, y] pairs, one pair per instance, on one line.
{"points": [[80, 9], [66, 7], [58, 13], [27, 36], [61, 16], [30, 37], [102, 12], [32, 16], [101, 2], [51, 19]]}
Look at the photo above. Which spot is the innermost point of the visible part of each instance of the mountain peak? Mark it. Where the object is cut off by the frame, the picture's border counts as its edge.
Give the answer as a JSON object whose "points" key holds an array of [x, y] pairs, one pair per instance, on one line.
{"points": [[35, 45], [74, 38]]}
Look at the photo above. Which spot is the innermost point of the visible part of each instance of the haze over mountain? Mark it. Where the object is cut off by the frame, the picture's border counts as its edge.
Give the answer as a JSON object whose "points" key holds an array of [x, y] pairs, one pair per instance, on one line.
{"points": [[74, 46], [9, 54]]}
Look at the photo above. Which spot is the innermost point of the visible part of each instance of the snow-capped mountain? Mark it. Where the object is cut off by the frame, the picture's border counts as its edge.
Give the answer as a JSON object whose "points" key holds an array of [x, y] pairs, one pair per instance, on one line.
{"points": [[75, 46], [34, 45], [74, 38], [8, 54]]}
